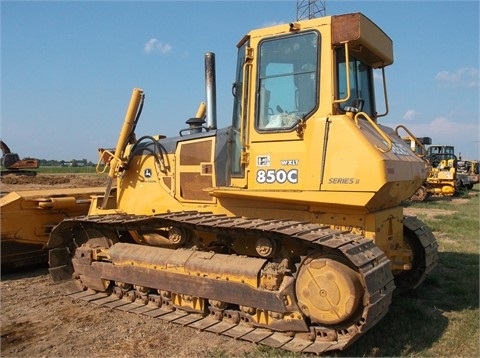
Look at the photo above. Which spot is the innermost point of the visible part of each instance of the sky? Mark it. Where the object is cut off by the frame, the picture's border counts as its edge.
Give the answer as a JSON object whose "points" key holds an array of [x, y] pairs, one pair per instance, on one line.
{"points": [[68, 68]]}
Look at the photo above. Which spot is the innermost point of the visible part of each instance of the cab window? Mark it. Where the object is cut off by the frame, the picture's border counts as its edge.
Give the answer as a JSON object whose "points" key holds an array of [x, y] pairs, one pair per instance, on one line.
{"points": [[361, 84], [287, 88]]}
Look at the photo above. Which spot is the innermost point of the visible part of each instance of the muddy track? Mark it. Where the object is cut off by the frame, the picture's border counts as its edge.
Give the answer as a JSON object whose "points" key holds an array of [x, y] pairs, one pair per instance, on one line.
{"points": [[361, 254]]}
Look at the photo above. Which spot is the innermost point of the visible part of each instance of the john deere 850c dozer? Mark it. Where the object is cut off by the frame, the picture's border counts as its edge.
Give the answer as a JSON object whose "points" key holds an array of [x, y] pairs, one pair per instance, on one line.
{"points": [[285, 228]]}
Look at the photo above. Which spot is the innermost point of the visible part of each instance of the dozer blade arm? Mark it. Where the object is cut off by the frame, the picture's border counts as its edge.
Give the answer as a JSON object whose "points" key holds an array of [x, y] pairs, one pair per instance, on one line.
{"points": [[131, 118]]}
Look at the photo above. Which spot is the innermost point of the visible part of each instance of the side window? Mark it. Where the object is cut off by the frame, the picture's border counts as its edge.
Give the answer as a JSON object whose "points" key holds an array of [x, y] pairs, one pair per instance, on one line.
{"points": [[361, 84], [287, 88]]}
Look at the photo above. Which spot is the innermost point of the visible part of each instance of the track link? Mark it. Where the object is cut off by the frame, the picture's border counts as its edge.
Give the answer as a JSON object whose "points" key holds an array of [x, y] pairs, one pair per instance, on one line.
{"points": [[360, 253], [425, 248]]}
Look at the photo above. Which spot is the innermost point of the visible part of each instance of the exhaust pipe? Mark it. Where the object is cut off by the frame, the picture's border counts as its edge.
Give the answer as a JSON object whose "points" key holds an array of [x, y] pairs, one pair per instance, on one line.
{"points": [[210, 90]]}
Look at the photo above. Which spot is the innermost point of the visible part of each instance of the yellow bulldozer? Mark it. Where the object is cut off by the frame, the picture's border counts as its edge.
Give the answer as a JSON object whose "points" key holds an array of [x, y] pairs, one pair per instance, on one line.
{"points": [[28, 216], [469, 169], [446, 175], [285, 228]]}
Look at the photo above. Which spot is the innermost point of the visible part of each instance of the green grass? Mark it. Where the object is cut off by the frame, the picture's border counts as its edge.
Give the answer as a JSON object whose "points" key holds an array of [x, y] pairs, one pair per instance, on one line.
{"points": [[441, 317], [458, 230]]}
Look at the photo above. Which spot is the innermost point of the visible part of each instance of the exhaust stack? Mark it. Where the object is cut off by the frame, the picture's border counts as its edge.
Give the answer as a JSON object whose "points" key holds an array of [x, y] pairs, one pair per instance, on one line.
{"points": [[210, 90]]}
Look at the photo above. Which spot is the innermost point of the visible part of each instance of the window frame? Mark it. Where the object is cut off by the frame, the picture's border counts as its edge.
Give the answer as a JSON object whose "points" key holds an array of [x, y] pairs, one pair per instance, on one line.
{"points": [[262, 94]]}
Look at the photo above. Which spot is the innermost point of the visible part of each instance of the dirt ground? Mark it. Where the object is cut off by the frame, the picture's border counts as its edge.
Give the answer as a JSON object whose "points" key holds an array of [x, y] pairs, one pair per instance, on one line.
{"points": [[45, 181], [37, 321]]}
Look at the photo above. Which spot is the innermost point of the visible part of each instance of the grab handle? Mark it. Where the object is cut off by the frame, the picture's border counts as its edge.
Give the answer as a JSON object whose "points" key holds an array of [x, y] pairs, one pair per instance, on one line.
{"points": [[379, 131]]}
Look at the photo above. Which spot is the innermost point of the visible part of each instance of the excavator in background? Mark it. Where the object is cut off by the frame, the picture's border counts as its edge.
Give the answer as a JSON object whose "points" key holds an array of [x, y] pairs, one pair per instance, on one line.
{"points": [[285, 228], [14, 165]]}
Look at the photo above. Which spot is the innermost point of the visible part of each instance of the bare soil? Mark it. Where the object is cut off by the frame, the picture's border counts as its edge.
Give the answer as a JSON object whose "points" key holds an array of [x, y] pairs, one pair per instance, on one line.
{"points": [[38, 321], [45, 181]]}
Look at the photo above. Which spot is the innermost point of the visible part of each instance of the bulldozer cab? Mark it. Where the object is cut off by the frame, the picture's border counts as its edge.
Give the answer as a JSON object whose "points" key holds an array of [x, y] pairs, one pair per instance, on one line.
{"points": [[296, 76], [439, 153], [304, 130]]}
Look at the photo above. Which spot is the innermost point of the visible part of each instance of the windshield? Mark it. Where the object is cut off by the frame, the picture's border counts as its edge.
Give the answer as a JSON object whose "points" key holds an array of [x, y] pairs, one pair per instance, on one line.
{"points": [[287, 86], [437, 149], [361, 84]]}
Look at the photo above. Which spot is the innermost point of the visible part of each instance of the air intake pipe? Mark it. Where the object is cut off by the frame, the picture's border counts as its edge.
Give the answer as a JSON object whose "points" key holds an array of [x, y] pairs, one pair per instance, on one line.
{"points": [[210, 91]]}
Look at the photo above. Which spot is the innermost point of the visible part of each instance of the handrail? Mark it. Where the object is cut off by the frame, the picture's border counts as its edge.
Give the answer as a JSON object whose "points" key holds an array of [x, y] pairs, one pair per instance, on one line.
{"points": [[347, 74], [244, 101], [377, 128], [385, 98], [424, 150], [105, 156]]}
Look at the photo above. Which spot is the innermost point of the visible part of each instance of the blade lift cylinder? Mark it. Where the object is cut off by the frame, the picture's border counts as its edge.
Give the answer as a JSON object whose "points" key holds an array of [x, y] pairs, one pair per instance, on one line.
{"points": [[128, 126]]}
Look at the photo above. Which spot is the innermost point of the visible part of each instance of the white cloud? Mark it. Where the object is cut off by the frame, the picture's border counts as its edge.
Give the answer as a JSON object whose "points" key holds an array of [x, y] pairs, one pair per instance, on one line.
{"points": [[156, 46], [444, 126], [410, 115], [464, 136], [440, 127], [463, 77], [273, 23]]}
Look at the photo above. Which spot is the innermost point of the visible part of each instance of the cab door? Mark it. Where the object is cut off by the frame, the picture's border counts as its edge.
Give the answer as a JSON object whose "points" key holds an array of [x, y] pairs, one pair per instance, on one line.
{"points": [[284, 96]]}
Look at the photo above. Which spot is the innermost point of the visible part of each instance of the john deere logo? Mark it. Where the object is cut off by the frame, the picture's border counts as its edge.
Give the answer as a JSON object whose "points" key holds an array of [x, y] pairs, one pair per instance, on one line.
{"points": [[148, 173]]}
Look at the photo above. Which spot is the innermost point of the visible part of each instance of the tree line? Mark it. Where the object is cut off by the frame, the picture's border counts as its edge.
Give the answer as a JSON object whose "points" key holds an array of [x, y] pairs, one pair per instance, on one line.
{"points": [[65, 163]]}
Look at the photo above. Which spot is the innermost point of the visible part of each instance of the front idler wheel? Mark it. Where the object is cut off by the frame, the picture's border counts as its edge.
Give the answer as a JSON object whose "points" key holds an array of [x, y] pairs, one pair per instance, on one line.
{"points": [[328, 291]]}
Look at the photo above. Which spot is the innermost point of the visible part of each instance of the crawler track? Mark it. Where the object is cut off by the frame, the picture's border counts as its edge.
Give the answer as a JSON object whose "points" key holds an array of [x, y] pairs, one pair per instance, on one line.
{"points": [[425, 250], [289, 329]]}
